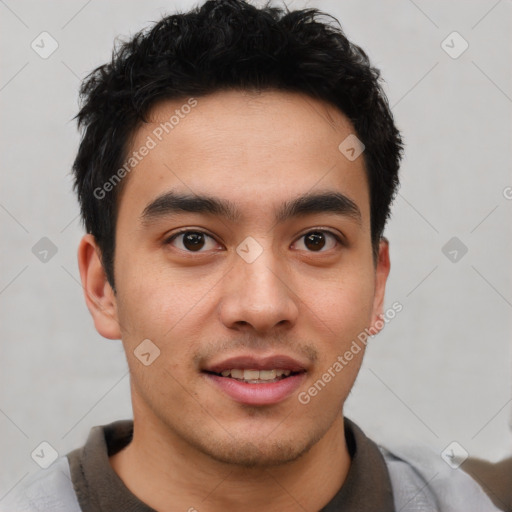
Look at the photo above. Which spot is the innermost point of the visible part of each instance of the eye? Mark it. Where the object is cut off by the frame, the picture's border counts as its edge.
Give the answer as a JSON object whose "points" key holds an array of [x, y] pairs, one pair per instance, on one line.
{"points": [[318, 241], [192, 241]]}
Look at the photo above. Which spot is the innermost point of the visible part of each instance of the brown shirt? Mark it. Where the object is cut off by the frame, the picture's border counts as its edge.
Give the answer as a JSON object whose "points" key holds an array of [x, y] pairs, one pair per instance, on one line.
{"points": [[367, 487]]}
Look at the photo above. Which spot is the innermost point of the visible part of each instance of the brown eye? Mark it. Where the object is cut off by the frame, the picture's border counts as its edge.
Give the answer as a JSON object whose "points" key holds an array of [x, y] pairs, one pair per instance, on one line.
{"points": [[314, 241], [317, 241], [192, 241]]}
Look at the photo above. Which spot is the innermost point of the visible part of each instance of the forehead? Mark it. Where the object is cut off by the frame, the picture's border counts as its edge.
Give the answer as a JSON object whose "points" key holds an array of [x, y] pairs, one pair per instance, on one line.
{"points": [[248, 148]]}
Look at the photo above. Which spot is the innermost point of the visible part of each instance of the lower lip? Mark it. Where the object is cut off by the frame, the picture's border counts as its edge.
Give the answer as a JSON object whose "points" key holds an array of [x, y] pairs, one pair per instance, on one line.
{"points": [[258, 394]]}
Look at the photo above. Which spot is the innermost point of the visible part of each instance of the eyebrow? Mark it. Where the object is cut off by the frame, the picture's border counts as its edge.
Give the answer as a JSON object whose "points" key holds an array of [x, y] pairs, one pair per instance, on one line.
{"points": [[174, 203]]}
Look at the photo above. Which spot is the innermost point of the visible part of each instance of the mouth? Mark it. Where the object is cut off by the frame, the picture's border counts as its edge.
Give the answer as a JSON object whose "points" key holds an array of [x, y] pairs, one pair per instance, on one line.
{"points": [[256, 376], [257, 381]]}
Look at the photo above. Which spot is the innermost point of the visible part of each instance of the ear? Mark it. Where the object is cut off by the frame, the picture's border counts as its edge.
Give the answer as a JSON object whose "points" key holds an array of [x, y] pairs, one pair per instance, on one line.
{"points": [[99, 296], [381, 277]]}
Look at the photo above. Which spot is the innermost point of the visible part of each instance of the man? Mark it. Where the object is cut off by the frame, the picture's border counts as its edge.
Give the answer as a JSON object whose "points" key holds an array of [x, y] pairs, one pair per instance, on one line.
{"points": [[235, 176]]}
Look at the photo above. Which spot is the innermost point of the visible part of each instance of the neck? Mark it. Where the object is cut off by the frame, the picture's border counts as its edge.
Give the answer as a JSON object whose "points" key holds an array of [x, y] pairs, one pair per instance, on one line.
{"points": [[167, 474]]}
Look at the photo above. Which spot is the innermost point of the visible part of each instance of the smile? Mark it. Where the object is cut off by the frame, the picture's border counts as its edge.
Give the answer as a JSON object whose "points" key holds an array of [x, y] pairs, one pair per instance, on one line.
{"points": [[256, 376], [251, 380]]}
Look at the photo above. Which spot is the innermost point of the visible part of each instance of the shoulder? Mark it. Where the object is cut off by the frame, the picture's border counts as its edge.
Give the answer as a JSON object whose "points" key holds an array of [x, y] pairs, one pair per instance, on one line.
{"points": [[423, 481], [48, 490]]}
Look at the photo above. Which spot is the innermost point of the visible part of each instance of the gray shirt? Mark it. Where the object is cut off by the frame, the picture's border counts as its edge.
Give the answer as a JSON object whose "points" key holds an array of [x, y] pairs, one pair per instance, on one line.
{"points": [[378, 480]]}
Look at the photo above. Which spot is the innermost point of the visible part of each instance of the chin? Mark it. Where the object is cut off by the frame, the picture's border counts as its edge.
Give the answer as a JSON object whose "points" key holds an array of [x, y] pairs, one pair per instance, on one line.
{"points": [[258, 454]]}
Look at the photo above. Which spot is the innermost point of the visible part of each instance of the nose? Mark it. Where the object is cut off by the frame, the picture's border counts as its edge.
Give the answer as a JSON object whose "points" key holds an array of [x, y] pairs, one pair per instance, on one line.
{"points": [[258, 295]]}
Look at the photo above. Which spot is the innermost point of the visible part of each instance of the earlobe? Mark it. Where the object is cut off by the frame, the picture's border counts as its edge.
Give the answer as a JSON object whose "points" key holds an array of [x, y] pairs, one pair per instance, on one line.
{"points": [[99, 296], [381, 277]]}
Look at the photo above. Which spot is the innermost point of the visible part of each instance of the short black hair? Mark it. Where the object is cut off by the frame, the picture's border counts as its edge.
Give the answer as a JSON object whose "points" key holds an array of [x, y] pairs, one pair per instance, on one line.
{"points": [[222, 45]]}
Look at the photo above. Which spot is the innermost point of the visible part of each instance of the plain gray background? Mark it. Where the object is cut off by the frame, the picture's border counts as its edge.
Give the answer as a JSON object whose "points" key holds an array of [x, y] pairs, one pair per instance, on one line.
{"points": [[439, 372]]}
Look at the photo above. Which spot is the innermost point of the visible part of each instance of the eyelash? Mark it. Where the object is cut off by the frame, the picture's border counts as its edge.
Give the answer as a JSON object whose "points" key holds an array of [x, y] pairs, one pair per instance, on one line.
{"points": [[170, 239]]}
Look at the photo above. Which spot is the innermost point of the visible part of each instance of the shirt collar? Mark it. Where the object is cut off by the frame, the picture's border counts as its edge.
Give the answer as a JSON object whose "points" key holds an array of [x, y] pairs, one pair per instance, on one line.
{"points": [[367, 486]]}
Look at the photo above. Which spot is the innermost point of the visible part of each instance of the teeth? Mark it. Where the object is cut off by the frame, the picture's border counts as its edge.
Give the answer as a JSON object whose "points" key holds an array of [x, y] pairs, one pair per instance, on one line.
{"points": [[252, 375], [237, 374], [267, 374]]}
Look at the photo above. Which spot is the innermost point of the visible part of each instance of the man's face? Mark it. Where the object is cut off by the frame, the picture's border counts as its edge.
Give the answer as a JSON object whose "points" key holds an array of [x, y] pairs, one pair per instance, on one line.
{"points": [[266, 284]]}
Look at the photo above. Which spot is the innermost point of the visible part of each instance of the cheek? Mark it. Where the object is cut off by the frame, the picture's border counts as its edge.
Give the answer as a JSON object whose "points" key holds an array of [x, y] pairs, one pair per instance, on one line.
{"points": [[145, 292], [345, 302], [162, 308]]}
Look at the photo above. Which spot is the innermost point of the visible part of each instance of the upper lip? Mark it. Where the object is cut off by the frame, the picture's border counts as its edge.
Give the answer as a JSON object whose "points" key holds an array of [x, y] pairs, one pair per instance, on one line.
{"points": [[251, 362]]}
